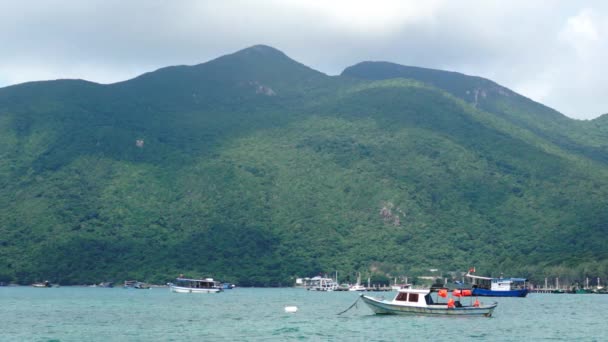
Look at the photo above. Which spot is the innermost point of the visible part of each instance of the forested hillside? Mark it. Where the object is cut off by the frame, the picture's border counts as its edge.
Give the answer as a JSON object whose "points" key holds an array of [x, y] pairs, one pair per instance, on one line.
{"points": [[255, 169]]}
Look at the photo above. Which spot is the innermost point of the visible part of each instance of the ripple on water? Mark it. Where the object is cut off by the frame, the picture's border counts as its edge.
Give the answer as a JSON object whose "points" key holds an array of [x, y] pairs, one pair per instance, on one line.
{"points": [[286, 330]]}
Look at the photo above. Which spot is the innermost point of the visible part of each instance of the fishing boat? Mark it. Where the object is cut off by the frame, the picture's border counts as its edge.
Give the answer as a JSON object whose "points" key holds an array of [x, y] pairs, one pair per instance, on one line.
{"points": [[134, 284], [433, 302], [187, 285], [43, 284], [498, 287]]}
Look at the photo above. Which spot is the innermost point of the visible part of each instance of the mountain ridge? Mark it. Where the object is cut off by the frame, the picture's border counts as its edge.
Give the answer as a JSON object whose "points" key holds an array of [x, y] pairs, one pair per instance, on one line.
{"points": [[201, 170]]}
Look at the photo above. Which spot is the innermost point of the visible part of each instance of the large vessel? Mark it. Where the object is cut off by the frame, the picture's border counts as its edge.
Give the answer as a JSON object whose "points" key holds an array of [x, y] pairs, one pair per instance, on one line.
{"points": [[434, 302], [321, 284], [187, 285], [498, 287]]}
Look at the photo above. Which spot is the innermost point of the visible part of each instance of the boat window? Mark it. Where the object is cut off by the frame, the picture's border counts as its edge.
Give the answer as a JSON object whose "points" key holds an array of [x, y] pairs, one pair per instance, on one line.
{"points": [[413, 297], [402, 296]]}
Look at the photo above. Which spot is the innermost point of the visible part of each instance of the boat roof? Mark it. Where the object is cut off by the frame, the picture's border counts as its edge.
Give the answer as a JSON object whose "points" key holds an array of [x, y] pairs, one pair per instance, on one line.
{"points": [[410, 290], [207, 280], [490, 278]]}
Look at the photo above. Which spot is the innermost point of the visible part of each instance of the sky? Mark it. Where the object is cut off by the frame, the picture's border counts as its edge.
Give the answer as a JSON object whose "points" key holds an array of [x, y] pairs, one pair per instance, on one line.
{"points": [[554, 52]]}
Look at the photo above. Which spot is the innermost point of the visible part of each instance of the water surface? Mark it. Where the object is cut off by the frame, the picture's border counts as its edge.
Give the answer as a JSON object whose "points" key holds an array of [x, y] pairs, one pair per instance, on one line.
{"points": [[244, 314]]}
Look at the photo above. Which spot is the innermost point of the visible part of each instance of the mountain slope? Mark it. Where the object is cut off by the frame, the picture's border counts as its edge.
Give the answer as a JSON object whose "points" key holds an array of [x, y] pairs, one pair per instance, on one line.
{"points": [[488, 96], [204, 170]]}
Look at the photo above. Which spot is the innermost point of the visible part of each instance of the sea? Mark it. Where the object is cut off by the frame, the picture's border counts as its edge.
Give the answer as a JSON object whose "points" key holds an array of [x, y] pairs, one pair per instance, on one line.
{"points": [[258, 314]]}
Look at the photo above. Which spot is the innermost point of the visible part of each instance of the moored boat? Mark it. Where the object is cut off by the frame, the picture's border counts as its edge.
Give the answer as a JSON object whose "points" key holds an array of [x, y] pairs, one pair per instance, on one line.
{"points": [[43, 284], [321, 284], [227, 286], [397, 287], [357, 286], [498, 287], [134, 284], [428, 302], [187, 285]]}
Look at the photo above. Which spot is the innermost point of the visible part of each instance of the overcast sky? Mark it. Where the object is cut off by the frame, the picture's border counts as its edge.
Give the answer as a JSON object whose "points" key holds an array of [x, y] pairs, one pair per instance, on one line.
{"points": [[554, 52]]}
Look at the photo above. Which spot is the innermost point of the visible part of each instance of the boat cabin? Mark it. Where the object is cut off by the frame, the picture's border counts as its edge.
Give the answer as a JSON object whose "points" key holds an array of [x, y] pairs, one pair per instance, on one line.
{"points": [[413, 297], [431, 297], [207, 283]]}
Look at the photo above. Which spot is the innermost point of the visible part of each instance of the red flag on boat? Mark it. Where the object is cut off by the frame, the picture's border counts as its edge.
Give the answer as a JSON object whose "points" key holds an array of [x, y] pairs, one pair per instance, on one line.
{"points": [[472, 270]]}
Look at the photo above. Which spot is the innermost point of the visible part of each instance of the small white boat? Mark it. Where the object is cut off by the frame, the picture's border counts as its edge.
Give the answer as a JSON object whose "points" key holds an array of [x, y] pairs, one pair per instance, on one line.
{"points": [[186, 285], [43, 284], [357, 287], [397, 287], [428, 302]]}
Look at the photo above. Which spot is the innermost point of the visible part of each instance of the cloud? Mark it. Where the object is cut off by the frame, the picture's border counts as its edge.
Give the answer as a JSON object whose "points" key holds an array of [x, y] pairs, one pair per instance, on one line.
{"points": [[552, 52]]}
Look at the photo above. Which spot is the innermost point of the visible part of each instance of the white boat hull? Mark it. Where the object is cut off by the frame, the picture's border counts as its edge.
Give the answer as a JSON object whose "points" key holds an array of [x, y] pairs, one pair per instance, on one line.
{"points": [[389, 308], [179, 289]]}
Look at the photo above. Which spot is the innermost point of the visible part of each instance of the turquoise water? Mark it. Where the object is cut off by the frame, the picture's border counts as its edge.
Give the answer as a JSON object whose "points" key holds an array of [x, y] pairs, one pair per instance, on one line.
{"points": [[101, 314]]}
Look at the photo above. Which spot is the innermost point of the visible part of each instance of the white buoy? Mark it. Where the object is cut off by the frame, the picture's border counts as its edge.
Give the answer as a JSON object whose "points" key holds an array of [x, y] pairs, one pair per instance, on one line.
{"points": [[291, 309]]}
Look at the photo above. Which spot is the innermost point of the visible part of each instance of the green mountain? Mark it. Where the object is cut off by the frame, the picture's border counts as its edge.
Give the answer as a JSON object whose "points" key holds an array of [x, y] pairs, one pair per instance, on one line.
{"points": [[569, 134], [255, 169]]}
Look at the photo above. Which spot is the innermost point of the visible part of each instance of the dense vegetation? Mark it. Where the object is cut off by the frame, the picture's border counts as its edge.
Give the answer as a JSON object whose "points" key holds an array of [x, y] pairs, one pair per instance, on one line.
{"points": [[255, 169]]}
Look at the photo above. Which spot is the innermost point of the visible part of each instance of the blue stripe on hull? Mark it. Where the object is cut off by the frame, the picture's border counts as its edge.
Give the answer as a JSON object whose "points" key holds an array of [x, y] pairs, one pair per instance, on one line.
{"points": [[490, 293]]}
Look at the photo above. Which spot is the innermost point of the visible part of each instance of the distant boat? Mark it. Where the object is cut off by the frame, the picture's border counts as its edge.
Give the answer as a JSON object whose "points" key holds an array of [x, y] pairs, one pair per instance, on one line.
{"points": [[343, 287], [582, 291], [357, 286], [43, 284], [187, 285], [321, 284], [227, 286], [498, 287], [397, 287], [428, 302], [134, 284]]}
